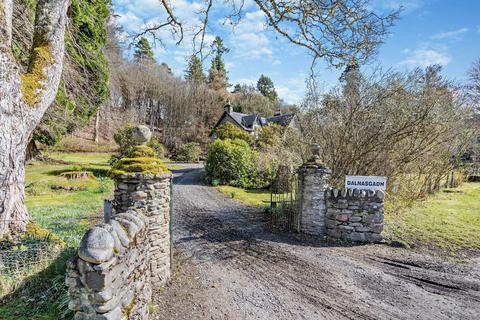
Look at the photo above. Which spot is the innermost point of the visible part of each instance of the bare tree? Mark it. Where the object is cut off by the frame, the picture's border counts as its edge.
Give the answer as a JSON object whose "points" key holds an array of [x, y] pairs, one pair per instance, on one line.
{"points": [[473, 85], [407, 126], [24, 98], [338, 31]]}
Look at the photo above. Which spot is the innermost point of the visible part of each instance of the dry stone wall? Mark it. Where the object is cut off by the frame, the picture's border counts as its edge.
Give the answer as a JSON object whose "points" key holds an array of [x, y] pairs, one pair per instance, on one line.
{"points": [[354, 215], [119, 262]]}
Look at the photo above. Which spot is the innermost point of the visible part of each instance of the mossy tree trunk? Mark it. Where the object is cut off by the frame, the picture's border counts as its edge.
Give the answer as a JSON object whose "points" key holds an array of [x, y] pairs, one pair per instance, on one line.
{"points": [[24, 98]]}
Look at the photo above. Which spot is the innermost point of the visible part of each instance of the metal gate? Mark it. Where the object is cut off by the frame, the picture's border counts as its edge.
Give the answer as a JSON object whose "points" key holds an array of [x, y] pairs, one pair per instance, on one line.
{"points": [[284, 201]]}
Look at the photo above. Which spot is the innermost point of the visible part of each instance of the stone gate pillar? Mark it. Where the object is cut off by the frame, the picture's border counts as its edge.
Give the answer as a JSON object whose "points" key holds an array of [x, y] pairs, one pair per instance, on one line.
{"points": [[151, 193], [313, 182]]}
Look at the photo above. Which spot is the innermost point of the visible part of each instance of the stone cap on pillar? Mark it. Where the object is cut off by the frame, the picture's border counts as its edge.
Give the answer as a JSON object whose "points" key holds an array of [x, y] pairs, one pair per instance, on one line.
{"points": [[315, 162]]}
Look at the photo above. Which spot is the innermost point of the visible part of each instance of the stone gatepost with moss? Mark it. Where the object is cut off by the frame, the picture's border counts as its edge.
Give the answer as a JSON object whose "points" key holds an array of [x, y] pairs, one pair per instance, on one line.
{"points": [[120, 261]]}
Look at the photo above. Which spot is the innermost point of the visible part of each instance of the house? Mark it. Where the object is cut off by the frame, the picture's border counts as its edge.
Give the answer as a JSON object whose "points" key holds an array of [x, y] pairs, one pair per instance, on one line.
{"points": [[253, 123]]}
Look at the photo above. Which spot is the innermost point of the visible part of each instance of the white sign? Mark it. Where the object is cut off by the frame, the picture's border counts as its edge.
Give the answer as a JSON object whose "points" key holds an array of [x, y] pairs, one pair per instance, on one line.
{"points": [[366, 182]]}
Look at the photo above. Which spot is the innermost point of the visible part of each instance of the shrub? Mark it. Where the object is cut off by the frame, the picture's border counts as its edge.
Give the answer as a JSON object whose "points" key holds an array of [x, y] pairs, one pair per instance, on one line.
{"points": [[230, 162], [270, 135], [231, 131], [124, 138], [189, 152], [159, 148]]}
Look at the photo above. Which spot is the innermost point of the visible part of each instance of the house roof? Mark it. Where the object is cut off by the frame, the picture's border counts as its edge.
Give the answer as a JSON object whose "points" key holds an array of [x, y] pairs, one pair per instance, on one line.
{"points": [[246, 121], [283, 119]]}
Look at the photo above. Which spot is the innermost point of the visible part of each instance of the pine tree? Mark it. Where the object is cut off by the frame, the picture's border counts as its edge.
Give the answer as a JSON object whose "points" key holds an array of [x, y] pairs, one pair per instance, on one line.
{"points": [[266, 88], [194, 72], [143, 51], [217, 74]]}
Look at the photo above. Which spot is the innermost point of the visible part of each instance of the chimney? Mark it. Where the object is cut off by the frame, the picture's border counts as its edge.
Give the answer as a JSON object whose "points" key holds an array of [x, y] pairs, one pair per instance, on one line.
{"points": [[228, 108], [277, 113]]}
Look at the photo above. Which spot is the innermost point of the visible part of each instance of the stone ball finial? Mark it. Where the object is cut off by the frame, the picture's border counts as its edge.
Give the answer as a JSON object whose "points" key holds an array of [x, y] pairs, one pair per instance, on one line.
{"points": [[96, 246], [141, 134]]}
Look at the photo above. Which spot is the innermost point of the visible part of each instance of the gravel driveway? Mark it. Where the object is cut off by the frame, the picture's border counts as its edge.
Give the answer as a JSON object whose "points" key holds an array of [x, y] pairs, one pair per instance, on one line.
{"points": [[228, 266]]}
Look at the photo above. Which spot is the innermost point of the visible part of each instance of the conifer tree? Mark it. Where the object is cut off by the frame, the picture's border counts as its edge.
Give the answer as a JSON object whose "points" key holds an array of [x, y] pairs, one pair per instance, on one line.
{"points": [[217, 75], [266, 88], [143, 51], [194, 72]]}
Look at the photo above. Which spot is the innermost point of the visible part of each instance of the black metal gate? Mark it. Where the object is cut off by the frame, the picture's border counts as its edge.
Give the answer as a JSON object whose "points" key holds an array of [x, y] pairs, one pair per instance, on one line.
{"points": [[284, 201]]}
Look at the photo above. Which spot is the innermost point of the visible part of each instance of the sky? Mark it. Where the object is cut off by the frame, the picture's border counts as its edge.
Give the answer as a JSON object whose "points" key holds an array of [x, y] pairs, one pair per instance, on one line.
{"points": [[444, 32]]}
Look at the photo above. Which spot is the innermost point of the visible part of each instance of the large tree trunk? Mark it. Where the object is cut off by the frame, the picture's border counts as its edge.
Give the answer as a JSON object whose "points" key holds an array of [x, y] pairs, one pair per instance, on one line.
{"points": [[24, 100]]}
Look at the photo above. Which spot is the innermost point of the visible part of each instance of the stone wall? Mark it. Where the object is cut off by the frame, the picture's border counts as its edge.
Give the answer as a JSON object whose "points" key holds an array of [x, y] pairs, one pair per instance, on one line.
{"points": [[354, 215], [118, 262]]}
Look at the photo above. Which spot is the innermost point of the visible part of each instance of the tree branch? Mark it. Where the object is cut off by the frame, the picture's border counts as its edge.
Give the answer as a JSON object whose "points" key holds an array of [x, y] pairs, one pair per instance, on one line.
{"points": [[40, 84]]}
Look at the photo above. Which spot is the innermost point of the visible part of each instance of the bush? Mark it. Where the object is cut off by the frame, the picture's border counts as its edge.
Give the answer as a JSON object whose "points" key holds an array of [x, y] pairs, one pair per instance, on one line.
{"points": [[270, 135], [230, 162], [189, 152], [124, 138], [160, 150], [231, 131]]}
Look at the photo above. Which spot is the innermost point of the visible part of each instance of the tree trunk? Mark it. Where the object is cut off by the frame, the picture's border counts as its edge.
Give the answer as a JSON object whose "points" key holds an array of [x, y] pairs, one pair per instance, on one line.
{"points": [[24, 98], [97, 124], [32, 150]]}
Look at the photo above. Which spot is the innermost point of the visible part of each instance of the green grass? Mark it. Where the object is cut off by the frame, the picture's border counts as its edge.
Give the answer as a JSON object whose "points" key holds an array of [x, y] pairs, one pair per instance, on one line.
{"points": [[255, 197], [94, 158], [68, 214], [449, 220]]}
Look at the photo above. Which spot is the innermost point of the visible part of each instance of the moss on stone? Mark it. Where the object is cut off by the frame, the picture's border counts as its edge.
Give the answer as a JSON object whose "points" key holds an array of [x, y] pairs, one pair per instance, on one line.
{"points": [[128, 309], [138, 165], [140, 152], [32, 82], [34, 231]]}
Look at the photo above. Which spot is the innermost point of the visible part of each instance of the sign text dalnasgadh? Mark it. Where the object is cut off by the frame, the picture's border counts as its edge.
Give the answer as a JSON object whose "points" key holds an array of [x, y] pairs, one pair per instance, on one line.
{"points": [[366, 182]]}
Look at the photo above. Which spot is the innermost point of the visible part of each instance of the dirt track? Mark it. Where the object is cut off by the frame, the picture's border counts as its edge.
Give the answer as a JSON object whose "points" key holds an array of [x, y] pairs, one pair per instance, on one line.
{"points": [[228, 266]]}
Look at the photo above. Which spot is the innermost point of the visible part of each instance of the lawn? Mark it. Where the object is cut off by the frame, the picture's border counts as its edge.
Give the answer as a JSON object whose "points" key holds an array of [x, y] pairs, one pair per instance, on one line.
{"points": [[66, 208], [449, 220], [260, 197]]}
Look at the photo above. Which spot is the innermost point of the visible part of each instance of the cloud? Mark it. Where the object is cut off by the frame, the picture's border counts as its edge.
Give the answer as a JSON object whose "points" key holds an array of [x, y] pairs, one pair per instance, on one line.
{"points": [[249, 38], [450, 35], [426, 57], [406, 5]]}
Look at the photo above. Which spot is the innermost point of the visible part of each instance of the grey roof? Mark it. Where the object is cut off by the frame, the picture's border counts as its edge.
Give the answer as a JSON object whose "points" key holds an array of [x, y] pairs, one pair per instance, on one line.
{"points": [[249, 120], [240, 119], [246, 121], [283, 119]]}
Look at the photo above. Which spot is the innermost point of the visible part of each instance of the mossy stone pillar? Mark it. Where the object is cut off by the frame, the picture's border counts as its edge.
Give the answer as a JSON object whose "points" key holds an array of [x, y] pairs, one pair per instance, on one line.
{"points": [[151, 194], [313, 182]]}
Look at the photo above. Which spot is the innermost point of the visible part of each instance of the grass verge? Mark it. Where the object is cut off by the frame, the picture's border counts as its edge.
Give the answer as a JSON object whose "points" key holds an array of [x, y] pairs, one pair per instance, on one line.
{"points": [[260, 197], [449, 220]]}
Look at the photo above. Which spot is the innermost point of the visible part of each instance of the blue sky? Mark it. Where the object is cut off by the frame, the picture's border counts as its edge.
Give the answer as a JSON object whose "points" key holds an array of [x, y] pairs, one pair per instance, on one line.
{"points": [[445, 32]]}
